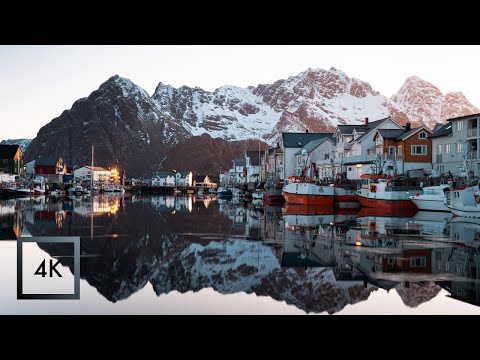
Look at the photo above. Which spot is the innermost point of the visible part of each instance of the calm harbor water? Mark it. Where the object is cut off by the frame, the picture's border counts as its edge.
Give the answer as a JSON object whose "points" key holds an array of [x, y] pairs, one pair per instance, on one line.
{"points": [[195, 255]]}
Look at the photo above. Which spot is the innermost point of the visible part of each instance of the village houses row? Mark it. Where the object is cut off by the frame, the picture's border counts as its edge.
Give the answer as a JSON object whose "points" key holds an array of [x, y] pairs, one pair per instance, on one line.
{"points": [[372, 146]]}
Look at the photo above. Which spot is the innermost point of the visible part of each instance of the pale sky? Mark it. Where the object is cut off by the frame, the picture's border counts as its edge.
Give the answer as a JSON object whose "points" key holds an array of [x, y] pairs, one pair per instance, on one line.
{"points": [[38, 82]]}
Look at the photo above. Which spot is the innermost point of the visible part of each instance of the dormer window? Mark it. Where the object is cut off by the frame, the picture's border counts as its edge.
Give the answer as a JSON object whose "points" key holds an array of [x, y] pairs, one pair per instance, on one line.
{"points": [[422, 135]]}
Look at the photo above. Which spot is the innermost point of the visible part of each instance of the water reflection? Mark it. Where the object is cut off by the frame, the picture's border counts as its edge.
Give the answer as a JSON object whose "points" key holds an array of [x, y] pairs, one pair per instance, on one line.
{"points": [[305, 256]]}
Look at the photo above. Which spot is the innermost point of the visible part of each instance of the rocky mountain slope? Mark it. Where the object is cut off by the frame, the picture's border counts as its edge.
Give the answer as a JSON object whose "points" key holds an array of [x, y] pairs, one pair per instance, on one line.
{"points": [[140, 132], [424, 103]]}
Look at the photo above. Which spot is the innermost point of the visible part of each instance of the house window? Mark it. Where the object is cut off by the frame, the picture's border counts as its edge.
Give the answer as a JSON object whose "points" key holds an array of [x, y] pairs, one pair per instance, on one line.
{"points": [[448, 148], [327, 156], [439, 149], [391, 150], [350, 169], [422, 135], [418, 262], [399, 152], [459, 125], [419, 149], [459, 147]]}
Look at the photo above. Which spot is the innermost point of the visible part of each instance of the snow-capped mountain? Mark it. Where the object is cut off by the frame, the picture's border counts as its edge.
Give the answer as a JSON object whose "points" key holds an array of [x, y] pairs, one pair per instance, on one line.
{"points": [[229, 112], [136, 130], [425, 104], [24, 143]]}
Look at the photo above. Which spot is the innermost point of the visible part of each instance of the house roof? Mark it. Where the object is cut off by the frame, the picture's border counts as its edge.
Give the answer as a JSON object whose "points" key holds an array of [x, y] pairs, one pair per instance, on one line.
{"points": [[464, 117], [438, 126], [312, 145], [445, 130], [8, 151], [164, 174], [391, 133], [199, 178], [46, 161], [371, 126], [240, 161], [254, 158], [299, 140], [410, 132], [183, 173], [348, 129], [96, 168]]}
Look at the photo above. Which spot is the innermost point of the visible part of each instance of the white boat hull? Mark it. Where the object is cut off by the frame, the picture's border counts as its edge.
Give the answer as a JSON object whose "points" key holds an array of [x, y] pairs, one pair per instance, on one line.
{"points": [[430, 205], [471, 212]]}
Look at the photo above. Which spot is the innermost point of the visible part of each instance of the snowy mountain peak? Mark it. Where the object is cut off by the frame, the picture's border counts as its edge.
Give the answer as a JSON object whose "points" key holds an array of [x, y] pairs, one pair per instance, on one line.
{"points": [[424, 103], [128, 87]]}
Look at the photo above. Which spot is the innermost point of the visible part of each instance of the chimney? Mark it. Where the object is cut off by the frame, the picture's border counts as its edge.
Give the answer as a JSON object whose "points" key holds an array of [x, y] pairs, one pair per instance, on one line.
{"points": [[306, 130], [408, 126], [366, 121]]}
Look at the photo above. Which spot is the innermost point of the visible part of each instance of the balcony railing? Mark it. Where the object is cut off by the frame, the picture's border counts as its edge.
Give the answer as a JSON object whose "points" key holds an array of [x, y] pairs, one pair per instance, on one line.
{"points": [[358, 159], [472, 132]]}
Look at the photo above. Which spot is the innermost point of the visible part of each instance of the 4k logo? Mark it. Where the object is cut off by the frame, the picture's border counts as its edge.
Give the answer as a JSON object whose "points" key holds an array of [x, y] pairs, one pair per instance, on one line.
{"points": [[45, 278], [41, 269]]}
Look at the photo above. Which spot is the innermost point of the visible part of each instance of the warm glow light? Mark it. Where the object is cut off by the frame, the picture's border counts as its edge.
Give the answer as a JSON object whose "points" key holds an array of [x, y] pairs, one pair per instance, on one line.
{"points": [[359, 165], [358, 243]]}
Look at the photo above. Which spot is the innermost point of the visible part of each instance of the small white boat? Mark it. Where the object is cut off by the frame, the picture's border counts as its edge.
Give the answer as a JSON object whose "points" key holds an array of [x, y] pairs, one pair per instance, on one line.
{"points": [[432, 199], [109, 189]]}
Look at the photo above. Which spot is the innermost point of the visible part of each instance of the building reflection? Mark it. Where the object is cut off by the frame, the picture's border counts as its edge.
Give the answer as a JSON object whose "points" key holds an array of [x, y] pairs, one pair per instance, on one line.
{"points": [[316, 259]]}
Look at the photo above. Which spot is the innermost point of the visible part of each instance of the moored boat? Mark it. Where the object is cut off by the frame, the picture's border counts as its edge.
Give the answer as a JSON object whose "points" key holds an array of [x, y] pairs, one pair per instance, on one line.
{"points": [[382, 192], [433, 198], [465, 201], [306, 191]]}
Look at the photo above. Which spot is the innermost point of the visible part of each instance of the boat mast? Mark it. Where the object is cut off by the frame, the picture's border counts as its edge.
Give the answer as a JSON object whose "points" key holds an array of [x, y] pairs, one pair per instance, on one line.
{"points": [[93, 172]]}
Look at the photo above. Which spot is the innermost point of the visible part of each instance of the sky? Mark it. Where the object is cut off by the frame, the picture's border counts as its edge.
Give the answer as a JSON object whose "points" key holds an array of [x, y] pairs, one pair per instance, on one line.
{"points": [[37, 83]]}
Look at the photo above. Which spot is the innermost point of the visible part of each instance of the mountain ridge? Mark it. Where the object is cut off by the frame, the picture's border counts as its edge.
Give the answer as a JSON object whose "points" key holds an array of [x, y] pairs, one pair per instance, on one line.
{"points": [[139, 132]]}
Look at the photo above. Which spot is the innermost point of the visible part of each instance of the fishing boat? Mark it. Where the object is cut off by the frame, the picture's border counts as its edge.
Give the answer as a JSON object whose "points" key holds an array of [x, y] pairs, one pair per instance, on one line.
{"points": [[433, 198], [465, 201], [383, 192], [273, 193], [304, 190], [10, 190]]}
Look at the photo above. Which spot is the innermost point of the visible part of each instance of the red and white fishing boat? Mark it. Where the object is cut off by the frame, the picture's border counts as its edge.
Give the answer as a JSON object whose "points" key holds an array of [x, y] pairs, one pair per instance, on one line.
{"points": [[307, 191], [382, 192]]}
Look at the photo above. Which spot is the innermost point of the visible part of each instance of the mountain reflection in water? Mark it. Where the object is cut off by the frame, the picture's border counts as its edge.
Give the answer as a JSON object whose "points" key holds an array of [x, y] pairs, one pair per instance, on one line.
{"points": [[307, 257]]}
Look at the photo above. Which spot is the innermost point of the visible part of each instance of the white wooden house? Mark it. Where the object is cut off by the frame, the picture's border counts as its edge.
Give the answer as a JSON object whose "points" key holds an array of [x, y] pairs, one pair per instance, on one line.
{"points": [[322, 153], [164, 178]]}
